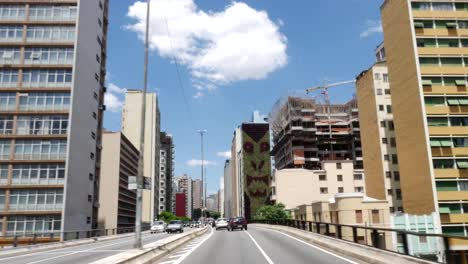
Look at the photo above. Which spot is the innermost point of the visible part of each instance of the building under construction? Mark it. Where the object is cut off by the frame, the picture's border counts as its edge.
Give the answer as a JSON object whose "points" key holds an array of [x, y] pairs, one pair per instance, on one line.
{"points": [[306, 132]]}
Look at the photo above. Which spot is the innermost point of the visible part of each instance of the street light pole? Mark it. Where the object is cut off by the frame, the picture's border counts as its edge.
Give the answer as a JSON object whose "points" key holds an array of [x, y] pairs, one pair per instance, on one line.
{"points": [[140, 180], [202, 132]]}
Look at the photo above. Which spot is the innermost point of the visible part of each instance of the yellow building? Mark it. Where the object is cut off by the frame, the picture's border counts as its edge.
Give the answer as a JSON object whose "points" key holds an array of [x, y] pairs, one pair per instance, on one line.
{"points": [[427, 55]]}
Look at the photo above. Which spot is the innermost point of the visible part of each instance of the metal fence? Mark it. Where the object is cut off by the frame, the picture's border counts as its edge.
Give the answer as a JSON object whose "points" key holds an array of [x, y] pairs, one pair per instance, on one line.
{"points": [[31, 238], [428, 246]]}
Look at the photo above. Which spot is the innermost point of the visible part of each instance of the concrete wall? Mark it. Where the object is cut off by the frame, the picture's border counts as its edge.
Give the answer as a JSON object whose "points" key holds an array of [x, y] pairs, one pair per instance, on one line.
{"points": [[78, 186], [131, 116], [295, 187]]}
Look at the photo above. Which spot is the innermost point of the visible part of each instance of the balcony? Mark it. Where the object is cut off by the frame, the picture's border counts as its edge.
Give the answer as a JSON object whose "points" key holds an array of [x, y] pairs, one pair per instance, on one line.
{"points": [[438, 32], [449, 152], [446, 130], [452, 195], [442, 51], [443, 110], [449, 70], [453, 218], [439, 14], [450, 173], [437, 89]]}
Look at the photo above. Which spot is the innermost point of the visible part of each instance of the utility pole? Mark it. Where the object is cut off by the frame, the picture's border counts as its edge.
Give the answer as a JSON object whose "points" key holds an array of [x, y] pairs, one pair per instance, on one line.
{"points": [[202, 132], [140, 177]]}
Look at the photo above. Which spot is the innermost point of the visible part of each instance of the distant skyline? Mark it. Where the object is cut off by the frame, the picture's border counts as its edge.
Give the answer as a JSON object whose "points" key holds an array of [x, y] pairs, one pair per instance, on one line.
{"points": [[233, 58]]}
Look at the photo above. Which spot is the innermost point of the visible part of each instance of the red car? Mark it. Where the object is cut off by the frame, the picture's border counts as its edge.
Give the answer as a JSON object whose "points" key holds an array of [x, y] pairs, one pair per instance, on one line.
{"points": [[237, 223]]}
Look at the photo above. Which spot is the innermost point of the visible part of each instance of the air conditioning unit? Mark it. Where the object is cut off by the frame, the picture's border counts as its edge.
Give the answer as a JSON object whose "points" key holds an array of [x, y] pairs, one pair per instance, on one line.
{"points": [[102, 108], [36, 55]]}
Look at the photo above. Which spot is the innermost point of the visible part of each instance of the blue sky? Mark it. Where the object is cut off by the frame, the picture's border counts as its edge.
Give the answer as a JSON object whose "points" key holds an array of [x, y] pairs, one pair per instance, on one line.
{"points": [[234, 58]]}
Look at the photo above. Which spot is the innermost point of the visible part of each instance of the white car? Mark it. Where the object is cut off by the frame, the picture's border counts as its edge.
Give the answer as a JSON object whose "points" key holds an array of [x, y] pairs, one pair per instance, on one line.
{"points": [[175, 226], [221, 223], [158, 227]]}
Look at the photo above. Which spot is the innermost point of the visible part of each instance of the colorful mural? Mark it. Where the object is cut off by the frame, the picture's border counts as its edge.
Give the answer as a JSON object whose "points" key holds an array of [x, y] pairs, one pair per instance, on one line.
{"points": [[256, 166]]}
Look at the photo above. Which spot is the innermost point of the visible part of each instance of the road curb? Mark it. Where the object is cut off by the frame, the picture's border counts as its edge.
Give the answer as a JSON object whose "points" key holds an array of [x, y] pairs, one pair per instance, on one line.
{"points": [[345, 248], [153, 251], [10, 252]]}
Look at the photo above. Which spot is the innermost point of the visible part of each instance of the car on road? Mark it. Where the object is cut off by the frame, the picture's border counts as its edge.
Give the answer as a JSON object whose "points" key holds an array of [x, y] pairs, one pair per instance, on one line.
{"points": [[175, 226], [237, 223], [158, 227], [221, 223], [195, 224]]}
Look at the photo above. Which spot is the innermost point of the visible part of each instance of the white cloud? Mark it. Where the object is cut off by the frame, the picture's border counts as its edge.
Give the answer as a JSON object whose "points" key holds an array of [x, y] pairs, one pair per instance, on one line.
{"points": [[113, 103], [115, 89], [195, 163], [238, 43], [113, 97], [373, 27], [224, 154]]}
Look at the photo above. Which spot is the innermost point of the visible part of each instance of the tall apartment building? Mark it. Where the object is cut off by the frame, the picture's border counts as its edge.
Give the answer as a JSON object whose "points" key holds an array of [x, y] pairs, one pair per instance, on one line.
{"points": [[301, 133], [197, 194], [184, 185], [166, 173], [426, 55], [378, 134], [117, 204], [131, 117], [52, 73]]}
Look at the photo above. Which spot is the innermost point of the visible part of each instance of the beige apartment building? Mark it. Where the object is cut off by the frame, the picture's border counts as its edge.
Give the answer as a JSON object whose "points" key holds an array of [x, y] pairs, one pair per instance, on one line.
{"points": [[117, 204], [52, 76], [131, 117], [295, 187], [197, 193], [378, 134], [427, 47]]}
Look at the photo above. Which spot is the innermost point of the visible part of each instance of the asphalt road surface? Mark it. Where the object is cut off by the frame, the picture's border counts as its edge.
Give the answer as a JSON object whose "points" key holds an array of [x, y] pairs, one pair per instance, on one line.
{"points": [[257, 245], [83, 253]]}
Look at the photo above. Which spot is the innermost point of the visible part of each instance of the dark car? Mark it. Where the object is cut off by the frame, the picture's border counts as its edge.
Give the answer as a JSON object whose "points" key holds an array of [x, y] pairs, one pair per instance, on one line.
{"points": [[237, 223]]}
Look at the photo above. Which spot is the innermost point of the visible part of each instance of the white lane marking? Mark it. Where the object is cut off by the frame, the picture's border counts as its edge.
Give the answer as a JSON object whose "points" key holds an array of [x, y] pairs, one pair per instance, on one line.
{"points": [[312, 246], [260, 248], [167, 262], [65, 248], [178, 261], [176, 256], [82, 251]]}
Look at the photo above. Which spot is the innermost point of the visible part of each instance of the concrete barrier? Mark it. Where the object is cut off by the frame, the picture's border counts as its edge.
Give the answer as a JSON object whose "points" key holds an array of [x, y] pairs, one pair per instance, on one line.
{"points": [[9, 252], [346, 248], [153, 251]]}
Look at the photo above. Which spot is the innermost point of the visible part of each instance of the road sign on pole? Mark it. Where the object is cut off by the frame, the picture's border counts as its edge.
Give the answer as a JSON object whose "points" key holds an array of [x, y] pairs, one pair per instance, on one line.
{"points": [[132, 183]]}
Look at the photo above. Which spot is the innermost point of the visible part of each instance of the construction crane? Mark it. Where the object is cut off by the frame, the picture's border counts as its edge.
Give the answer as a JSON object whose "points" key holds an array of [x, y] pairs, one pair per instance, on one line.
{"points": [[324, 88]]}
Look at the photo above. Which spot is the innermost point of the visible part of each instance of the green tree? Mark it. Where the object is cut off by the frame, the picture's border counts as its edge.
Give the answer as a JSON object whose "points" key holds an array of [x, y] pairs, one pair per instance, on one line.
{"points": [[197, 213], [167, 216], [215, 215], [271, 212]]}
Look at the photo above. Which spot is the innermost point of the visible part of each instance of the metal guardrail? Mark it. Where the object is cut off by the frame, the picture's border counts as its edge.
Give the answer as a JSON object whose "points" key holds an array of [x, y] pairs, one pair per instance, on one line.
{"points": [[31, 238], [427, 246]]}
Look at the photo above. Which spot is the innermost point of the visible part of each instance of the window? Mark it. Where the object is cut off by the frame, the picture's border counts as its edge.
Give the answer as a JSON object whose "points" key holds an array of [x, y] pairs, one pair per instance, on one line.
{"points": [[451, 61], [437, 121], [323, 190], [3, 173], [95, 95], [42, 125], [322, 177], [91, 155], [88, 220], [375, 216], [7, 101], [420, 6], [392, 209], [340, 190], [10, 55], [460, 142], [377, 76], [339, 177], [338, 166], [47, 78], [398, 194], [93, 135], [386, 157], [385, 77], [384, 141], [98, 59], [387, 91], [389, 109], [36, 200], [99, 41], [443, 163], [382, 124], [396, 175], [44, 101], [11, 33], [6, 125], [357, 177], [12, 12], [359, 189], [99, 22], [389, 192], [448, 43], [48, 56], [394, 159], [5, 148], [51, 12], [392, 142], [459, 121], [26, 149], [17, 225], [379, 91], [8, 78], [50, 34], [91, 176], [442, 6], [429, 61], [38, 174], [90, 198], [100, 5], [358, 214], [388, 174], [94, 115], [381, 108]]}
